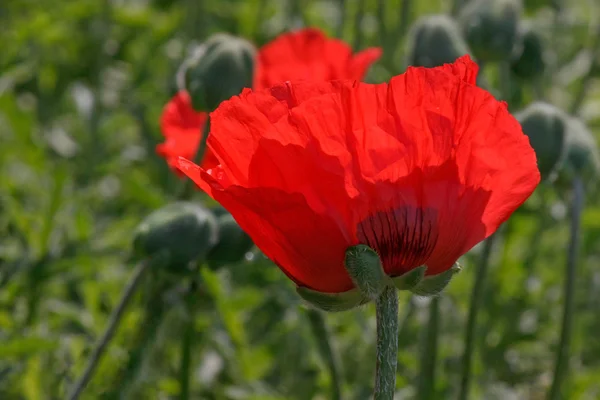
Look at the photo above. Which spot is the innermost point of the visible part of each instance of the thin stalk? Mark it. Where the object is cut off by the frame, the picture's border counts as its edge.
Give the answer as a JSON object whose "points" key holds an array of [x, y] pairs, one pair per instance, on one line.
{"points": [[386, 307], [426, 390], [342, 23], [322, 336], [187, 343], [475, 302], [113, 323], [405, 12], [562, 353], [381, 24], [358, 31], [505, 82], [147, 337], [456, 7]]}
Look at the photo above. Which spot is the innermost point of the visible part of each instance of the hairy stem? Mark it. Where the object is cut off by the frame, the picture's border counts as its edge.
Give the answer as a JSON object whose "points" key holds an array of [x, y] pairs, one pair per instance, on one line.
{"points": [[387, 344]]}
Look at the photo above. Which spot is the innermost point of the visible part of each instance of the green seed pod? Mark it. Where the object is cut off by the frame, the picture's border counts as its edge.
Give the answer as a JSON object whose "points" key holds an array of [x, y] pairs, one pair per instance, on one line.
{"points": [[435, 40], [491, 28], [218, 70], [186, 231], [582, 151], [233, 243], [531, 63], [546, 127]]}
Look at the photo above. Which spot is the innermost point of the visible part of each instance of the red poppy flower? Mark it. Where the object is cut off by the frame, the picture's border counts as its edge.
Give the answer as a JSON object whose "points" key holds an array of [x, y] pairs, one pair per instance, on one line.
{"points": [[420, 169], [182, 129], [308, 54]]}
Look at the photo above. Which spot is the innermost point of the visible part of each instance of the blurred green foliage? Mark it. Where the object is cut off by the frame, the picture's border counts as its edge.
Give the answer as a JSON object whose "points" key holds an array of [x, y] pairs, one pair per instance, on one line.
{"points": [[82, 85]]}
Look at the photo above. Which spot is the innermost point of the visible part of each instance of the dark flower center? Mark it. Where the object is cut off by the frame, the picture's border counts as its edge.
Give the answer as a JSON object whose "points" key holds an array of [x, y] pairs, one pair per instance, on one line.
{"points": [[404, 238]]}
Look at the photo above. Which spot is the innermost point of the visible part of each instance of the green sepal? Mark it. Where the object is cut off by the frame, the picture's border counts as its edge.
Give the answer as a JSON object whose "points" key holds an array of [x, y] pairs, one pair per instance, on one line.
{"points": [[435, 284], [333, 302], [410, 279]]}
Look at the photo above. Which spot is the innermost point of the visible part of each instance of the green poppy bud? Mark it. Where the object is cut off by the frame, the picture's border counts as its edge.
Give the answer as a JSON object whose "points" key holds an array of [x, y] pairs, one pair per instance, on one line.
{"points": [[546, 127], [186, 231], [435, 40], [531, 62], [582, 151], [218, 70], [365, 269], [233, 243], [491, 28]]}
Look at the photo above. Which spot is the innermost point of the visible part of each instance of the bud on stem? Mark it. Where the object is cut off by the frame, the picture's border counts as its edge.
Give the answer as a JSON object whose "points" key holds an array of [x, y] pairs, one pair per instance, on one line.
{"points": [[365, 269]]}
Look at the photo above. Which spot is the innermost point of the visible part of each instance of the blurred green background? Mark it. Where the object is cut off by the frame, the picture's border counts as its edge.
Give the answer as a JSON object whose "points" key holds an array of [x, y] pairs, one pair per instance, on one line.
{"points": [[82, 86]]}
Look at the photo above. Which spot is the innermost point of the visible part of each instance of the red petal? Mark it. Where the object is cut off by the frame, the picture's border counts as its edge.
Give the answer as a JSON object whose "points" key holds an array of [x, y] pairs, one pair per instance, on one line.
{"points": [[280, 230], [181, 126], [479, 165], [309, 55], [361, 62]]}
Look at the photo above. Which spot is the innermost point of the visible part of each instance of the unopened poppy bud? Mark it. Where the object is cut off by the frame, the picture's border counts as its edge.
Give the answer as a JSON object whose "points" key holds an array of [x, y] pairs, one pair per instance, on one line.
{"points": [[233, 242], [186, 231], [546, 127], [531, 62], [365, 269], [435, 40], [218, 70], [582, 151], [491, 28]]}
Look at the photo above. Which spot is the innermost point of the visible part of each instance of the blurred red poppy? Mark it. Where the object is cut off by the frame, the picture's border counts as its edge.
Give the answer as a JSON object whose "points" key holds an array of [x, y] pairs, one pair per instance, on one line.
{"points": [[420, 169], [182, 129], [305, 54], [308, 54]]}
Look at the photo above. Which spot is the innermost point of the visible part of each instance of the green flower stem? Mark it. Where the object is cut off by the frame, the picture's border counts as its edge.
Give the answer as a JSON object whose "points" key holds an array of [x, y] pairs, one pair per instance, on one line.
{"points": [[358, 32], [343, 15], [387, 344], [475, 302], [381, 23], [405, 13], [113, 324], [188, 185], [426, 389], [187, 342], [562, 353], [456, 7], [147, 338], [322, 335], [505, 82]]}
